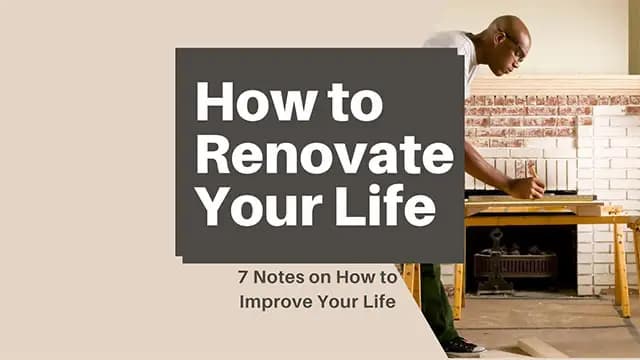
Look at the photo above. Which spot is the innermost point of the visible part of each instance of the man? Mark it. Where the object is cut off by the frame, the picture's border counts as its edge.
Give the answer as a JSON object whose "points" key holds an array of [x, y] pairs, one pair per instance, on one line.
{"points": [[502, 46]]}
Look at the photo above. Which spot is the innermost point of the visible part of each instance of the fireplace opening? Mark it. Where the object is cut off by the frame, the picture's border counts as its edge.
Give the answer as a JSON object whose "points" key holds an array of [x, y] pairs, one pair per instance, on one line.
{"points": [[512, 259]]}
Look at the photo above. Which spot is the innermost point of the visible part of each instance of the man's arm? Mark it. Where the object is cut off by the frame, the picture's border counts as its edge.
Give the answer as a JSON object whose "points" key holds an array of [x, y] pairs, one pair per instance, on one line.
{"points": [[476, 166]]}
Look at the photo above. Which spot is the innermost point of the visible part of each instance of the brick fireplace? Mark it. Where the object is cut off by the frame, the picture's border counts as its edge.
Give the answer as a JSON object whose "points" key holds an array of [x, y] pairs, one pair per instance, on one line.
{"points": [[583, 133]]}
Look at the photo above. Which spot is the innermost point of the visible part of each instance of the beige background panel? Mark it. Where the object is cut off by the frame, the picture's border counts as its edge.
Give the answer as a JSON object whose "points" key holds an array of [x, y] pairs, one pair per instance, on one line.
{"points": [[86, 148]]}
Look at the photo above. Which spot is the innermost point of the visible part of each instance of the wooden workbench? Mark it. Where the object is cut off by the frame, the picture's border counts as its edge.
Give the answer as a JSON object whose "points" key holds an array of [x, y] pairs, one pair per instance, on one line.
{"points": [[545, 212]]}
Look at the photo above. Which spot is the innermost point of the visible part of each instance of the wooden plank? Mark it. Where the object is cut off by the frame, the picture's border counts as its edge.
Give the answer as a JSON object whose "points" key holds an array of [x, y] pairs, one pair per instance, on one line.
{"points": [[636, 247], [546, 197], [528, 209], [411, 276], [622, 291], [591, 210], [457, 294], [538, 348], [540, 202], [547, 220], [493, 354], [582, 208]]}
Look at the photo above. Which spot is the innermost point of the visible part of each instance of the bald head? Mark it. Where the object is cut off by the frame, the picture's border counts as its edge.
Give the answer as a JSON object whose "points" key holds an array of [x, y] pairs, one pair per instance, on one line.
{"points": [[504, 44], [514, 29]]}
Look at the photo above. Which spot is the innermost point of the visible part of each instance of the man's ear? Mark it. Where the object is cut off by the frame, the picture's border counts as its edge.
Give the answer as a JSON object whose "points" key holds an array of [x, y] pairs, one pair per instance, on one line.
{"points": [[499, 37]]}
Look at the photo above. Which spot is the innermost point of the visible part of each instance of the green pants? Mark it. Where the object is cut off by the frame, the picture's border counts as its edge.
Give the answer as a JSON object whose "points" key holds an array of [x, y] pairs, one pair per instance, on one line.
{"points": [[435, 304]]}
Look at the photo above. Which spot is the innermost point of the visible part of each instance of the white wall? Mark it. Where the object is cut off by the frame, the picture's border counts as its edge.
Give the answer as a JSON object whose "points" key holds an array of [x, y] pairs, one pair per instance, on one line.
{"points": [[568, 36]]}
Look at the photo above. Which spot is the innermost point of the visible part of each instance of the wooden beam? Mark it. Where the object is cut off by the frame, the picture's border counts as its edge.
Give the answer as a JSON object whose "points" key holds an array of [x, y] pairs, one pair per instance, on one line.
{"points": [[457, 294], [411, 276], [538, 348], [547, 220], [622, 291], [508, 198]]}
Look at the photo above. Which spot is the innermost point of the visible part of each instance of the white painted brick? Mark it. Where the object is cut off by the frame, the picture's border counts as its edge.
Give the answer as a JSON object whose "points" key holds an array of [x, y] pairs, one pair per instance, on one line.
{"points": [[585, 258], [602, 227], [633, 195], [585, 279], [585, 269], [611, 174], [629, 235], [602, 289], [585, 174], [585, 237], [602, 163], [566, 143], [626, 141], [600, 121], [601, 268], [630, 205], [446, 279], [494, 152], [633, 131], [602, 258], [603, 279], [540, 143], [628, 247], [585, 163], [584, 228], [585, 186], [585, 142], [469, 181], [601, 184], [585, 290], [625, 163], [631, 184], [447, 269], [600, 236], [624, 121], [526, 153], [633, 152], [556, 153], [585, 153], [611, 195], [609, 110], [589, 184], [610, 152], [602, 247], [606, 131], [585, 248], [633, 173], [585, 131]]}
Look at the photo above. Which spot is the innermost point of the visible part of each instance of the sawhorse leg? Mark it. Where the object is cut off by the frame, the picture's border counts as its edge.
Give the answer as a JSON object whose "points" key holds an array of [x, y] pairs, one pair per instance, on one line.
{"points": [[411, 276], [636, 248], [457, 294], [622, 283]]}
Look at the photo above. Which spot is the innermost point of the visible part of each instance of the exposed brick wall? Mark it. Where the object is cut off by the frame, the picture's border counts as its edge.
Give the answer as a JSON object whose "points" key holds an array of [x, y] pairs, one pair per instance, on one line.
{"points": [[596, 141], [521, 121]]}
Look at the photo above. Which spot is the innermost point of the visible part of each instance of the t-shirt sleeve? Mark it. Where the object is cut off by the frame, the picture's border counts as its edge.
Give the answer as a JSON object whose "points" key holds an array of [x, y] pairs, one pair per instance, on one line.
{"points": [[446, 40]]}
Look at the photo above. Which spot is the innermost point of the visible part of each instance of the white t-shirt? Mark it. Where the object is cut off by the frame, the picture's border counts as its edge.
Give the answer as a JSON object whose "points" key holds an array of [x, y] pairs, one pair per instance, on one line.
{"points": [[460, 41]]}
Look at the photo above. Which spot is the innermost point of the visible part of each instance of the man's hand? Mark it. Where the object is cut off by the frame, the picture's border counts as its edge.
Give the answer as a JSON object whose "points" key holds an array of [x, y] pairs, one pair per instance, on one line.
{"points": [[525, 188]]}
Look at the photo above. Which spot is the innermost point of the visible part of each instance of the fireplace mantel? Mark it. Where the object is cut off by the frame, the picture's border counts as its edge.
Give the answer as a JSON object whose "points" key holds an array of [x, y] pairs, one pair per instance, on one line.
{"points": [[556, 85]]}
